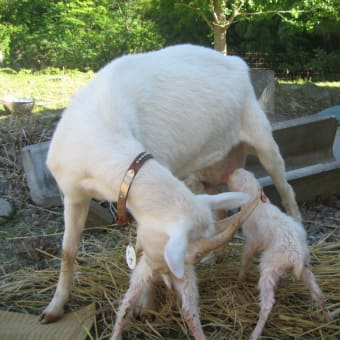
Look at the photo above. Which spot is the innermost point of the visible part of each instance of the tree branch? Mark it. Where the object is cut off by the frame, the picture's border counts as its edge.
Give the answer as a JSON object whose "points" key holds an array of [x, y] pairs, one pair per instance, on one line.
{"points": [[201, 13], [234, 14], [248, 14]]}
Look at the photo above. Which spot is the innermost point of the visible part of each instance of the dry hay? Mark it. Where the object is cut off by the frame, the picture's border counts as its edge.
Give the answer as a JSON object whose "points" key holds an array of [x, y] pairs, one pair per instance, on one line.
{"points": [[229, 309]]}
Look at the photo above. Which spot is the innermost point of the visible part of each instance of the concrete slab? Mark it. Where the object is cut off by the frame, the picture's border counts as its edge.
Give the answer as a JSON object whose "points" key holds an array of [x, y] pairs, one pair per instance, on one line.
{"points": [[305, 143], [309, 183], [336, 145], [334, 111], [302, 141]]}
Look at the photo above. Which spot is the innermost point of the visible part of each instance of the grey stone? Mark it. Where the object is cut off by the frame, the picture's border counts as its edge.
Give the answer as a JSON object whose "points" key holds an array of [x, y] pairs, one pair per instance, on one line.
{"points": [[43, 188], [6, 210], [4, 185]]}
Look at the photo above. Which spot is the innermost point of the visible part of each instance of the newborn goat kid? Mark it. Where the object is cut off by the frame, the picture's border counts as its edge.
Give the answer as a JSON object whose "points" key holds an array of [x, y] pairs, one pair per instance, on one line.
{"points": [[283, 244], [164, 256]]}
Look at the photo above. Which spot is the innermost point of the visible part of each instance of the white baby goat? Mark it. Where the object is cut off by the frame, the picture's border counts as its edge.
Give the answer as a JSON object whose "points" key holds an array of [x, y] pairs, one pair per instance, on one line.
{"points": [[152, 267], [283, 244], [188, 106]]}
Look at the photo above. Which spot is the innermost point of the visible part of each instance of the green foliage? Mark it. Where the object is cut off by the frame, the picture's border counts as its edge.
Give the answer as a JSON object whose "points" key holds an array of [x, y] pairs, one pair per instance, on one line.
{"points": [[177, 24], [75, 34], [86, 34], [302, 43]]}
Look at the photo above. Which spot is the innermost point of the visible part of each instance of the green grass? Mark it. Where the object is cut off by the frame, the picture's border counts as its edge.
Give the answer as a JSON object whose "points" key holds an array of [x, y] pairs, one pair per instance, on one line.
{"points": [[333, 84], [50, 91], [329, 84]]}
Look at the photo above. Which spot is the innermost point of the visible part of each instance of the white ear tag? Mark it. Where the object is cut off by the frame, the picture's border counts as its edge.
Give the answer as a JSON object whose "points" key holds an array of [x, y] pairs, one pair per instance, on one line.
{"points": [[131, 257]]}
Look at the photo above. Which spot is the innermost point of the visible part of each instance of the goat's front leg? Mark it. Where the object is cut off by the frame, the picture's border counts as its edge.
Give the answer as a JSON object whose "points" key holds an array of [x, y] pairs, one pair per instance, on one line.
{"points": [[75, 214], [140, 278], [249, 252], [188, 292]]}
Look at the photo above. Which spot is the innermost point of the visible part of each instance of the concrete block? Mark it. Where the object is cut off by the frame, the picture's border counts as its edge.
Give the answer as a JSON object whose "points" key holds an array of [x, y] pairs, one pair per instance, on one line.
{"points": [[263, 81], [43, 188]]}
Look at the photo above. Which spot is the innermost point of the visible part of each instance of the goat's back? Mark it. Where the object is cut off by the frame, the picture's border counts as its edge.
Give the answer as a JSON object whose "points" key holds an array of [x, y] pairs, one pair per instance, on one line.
{"points": [[184, 104]]}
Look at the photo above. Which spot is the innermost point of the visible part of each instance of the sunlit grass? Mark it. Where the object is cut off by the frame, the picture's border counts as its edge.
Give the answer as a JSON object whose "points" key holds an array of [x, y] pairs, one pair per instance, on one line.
{"points": [[334, 84], [50, 91], [329, 84]]}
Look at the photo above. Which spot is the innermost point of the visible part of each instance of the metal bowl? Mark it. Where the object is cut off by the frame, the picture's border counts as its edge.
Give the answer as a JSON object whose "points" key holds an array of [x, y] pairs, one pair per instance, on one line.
{"points": [[18, 105]]}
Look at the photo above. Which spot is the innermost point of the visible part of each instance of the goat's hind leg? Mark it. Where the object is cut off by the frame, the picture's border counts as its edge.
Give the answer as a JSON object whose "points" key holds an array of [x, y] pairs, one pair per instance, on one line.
{"points": [[268, 280], [316, 293], [75, 213], [260, 137]]}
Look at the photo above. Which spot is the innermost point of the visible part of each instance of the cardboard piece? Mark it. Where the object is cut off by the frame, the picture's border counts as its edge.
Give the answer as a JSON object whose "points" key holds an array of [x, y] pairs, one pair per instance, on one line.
{"points": [[73, 326]]}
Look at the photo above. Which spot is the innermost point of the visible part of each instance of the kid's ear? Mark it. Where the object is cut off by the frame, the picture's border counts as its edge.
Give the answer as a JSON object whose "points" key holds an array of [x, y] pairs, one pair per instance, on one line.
{"points": [[175, 251], [226, 200]]}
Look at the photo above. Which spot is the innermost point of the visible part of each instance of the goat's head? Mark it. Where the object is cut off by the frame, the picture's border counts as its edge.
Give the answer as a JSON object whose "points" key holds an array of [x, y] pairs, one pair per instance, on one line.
{"points": [[179, 250], [242, 180], [226, 229]]}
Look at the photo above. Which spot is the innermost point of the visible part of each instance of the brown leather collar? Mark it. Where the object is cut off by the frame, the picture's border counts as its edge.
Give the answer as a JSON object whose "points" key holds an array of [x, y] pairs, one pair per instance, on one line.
{"points": [[126, 184]]}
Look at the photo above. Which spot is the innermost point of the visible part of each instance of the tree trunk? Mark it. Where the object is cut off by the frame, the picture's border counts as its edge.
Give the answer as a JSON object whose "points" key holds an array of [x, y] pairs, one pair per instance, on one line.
{"points": [[220, 39], [220, 27]]}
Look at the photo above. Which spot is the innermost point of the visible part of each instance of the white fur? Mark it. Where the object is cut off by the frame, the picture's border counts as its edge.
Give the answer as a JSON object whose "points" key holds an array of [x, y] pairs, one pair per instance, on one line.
{"points": [[282, 243], [188, 106]]}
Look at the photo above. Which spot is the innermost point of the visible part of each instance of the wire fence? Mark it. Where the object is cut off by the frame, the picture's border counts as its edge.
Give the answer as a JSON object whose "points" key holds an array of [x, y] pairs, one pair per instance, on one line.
{"points": [[287, 67]]}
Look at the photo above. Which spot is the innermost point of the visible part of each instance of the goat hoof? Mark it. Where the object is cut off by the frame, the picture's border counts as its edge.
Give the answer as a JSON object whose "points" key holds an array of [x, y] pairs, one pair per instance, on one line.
{"points": [[143, 315], [242, 278], [49, 317], [328, 316]]}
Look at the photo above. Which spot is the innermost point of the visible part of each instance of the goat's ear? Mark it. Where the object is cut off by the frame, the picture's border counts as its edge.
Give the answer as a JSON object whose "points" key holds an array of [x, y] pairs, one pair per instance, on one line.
{"points": [[175, 250], [226, 200]]}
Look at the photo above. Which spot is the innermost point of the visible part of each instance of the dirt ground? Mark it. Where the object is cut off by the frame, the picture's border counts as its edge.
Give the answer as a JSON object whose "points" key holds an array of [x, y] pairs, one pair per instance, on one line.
{"points": [[292, 101]]}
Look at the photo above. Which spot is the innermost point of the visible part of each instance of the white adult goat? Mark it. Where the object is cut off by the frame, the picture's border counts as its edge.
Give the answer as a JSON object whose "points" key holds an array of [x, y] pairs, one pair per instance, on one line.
{"points": [[188, 106], [282, 243]]}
